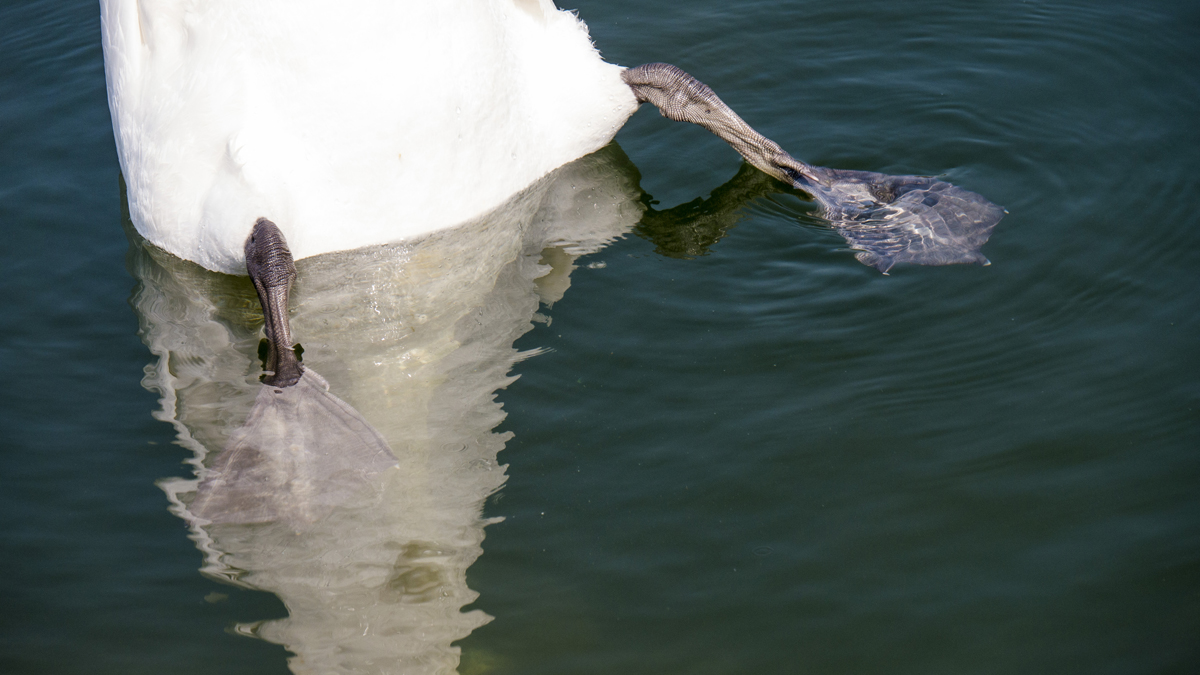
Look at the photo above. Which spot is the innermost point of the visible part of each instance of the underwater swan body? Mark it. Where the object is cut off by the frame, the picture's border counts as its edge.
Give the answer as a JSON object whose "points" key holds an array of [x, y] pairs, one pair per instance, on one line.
{"points": [[294, 493], [379, 125]]}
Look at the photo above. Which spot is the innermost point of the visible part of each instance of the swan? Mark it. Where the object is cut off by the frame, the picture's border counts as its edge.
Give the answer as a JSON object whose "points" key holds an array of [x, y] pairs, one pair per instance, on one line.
{"points": [[347, 128], [356, 128]]}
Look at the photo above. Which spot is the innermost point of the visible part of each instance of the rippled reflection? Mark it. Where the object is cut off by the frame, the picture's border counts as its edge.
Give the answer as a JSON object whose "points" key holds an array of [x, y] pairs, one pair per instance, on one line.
{"points": [[417, 338]]}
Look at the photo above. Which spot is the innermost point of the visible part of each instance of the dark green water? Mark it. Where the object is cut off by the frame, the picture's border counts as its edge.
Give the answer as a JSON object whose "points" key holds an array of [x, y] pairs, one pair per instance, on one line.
{"points": [[752, 454]]}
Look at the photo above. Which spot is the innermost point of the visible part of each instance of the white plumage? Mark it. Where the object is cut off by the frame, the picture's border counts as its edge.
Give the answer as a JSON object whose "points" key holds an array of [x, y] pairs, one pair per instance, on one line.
{"points": [[348, 125]]}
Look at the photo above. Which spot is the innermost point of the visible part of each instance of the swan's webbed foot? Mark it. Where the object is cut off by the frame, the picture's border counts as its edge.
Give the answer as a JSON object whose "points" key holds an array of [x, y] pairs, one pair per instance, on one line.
{"points": [[889, 219], [913, 219], [301, 453]]}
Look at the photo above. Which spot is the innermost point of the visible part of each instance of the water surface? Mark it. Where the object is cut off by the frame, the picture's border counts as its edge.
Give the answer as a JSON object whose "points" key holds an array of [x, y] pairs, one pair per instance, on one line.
{"points": [[730, 447]]}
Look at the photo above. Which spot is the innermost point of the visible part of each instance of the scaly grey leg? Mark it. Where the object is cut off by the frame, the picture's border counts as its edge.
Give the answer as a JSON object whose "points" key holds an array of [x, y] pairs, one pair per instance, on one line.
{"points": [[683, 98], [271, 268], [887, 219]]}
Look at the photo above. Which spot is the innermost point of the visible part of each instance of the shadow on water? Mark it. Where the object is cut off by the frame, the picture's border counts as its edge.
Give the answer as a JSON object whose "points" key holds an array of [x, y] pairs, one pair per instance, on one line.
{"points": [[691, 229]]}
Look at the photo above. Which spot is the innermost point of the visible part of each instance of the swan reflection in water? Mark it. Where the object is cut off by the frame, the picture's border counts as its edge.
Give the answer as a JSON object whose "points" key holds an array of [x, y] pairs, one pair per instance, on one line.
{"points": [[415, 340], [411, 342]]}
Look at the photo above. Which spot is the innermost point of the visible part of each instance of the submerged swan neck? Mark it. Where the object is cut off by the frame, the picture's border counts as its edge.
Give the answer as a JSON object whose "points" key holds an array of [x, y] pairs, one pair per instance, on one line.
{"points": [[272, 270]]}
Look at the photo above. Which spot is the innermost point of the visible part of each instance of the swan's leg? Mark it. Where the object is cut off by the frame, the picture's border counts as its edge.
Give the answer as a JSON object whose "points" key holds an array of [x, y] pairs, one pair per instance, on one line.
{"points": [[683, 98], [269, 262], [888, 219]]}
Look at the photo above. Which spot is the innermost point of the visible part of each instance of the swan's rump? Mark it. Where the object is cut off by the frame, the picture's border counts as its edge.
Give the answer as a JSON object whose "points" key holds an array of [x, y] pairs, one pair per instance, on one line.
{"points": [[348, 126]]}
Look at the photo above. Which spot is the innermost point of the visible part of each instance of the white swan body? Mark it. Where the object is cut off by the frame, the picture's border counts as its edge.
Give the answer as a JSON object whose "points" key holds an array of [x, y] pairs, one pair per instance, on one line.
{"points": [[347, 125]]}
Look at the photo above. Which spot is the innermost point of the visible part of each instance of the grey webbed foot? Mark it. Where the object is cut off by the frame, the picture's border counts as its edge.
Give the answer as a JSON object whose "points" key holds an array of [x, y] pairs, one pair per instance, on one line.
{"points": [[301, 453], [888, 219], [913, 219]]}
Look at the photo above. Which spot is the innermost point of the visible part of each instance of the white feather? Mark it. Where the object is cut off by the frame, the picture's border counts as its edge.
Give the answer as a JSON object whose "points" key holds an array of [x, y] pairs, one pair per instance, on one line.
{"points": [[348, 125]]}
